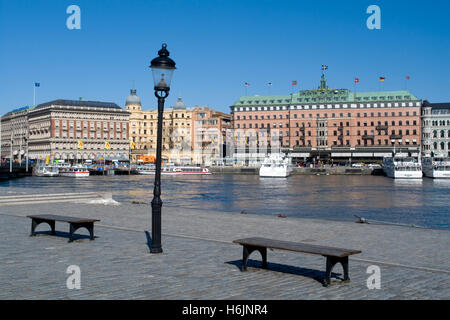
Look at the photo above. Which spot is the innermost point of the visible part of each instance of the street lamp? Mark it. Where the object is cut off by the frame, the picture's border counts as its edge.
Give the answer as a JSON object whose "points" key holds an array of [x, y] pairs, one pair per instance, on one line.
{"points": [[162, 70]]}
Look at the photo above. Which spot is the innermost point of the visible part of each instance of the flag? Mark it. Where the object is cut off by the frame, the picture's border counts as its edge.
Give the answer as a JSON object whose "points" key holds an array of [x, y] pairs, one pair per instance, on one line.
{"points": [[408, 77], [107, 145], [37, 84], [80, 144], [247, 84], [356, 80], [132, 145], [294, 82], [324, 67], [382, 79], [269, 84]]}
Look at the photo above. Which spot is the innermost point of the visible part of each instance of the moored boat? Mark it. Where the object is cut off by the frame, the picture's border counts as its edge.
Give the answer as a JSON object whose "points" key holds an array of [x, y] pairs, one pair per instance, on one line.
{"points": [[174, 170], [437, 167], [275, 166], [45, 170], [400, 167], [74, 171]]}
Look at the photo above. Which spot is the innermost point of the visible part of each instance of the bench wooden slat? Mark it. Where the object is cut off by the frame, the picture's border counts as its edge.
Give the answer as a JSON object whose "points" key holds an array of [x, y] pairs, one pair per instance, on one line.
{"points": [[297, 247], [62, 218]]}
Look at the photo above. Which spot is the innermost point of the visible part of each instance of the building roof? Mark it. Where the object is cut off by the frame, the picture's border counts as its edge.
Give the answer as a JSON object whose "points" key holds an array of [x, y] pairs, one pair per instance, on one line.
{"points": [[79, 103], [440, 106], [133, 98], [324, 95], [179, 105], [26, 108]]}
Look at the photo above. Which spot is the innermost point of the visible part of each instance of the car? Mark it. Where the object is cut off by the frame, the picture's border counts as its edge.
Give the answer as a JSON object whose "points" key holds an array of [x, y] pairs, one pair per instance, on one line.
{"points": [[357, 165]]}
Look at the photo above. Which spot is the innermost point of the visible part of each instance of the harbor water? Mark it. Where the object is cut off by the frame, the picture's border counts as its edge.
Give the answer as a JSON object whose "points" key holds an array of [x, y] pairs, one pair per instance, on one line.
{"points": [[423, 203]]}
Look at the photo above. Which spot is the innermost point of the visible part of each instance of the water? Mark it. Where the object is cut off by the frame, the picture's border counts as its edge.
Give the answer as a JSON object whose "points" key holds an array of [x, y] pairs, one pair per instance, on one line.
{"points": [[423, 203]]}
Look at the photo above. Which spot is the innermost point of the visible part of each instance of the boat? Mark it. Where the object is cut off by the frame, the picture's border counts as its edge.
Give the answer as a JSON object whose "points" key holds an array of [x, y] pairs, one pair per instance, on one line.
{"points": [[171, 169], [74, 171], [402, 167], [45, 170], [437, 167], [275, 166]]}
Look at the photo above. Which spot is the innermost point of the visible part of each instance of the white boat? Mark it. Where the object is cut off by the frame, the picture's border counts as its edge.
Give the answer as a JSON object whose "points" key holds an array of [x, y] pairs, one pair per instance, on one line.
{"points": [[173, 170], [275, 166], [437, 167], [74, 171], [45, 170], [146, 169], [400, 167]]}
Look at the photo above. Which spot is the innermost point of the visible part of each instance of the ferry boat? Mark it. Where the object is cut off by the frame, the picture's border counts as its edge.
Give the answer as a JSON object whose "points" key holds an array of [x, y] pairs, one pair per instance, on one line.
{"points": [[172, 170], [275, 166], [45, 170], [74, 171], [437, 167], [400, 167]]}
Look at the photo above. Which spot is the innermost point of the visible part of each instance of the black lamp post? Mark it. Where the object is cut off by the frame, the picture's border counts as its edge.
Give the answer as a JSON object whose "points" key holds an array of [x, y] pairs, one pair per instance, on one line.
{"points": [[162, 69]]}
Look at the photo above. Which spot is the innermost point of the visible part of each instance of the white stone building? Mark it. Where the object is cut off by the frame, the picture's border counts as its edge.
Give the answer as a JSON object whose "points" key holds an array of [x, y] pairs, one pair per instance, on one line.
{"points": [[436, 129], [55, 127], [14, 131]]}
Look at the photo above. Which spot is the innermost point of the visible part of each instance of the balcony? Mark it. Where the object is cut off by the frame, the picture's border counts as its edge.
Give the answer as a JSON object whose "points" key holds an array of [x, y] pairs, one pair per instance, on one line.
{"points": [[395, 136], [381, 127], [368, 137]]}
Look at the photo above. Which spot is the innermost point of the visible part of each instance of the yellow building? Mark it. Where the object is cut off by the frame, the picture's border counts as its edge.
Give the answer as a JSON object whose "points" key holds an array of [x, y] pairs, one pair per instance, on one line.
{"points": [[177, 130]]}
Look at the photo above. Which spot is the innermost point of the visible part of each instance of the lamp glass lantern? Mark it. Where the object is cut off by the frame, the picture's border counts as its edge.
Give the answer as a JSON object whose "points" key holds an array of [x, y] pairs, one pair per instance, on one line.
{"points": [[162, 70]]}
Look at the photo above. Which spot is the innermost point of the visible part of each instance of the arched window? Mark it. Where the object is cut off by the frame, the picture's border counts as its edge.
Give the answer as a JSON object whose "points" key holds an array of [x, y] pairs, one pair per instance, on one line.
{"points": [[442, 134], [435, 145], [442, 145], [435, 134]]}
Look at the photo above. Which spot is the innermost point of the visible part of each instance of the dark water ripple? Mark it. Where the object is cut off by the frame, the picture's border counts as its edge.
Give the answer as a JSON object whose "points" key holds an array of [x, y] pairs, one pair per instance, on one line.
{"points": [[424, 203]]}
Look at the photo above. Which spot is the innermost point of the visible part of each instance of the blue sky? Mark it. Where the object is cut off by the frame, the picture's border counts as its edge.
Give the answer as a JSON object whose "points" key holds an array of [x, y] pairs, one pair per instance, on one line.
{"points": [[218, 46]]}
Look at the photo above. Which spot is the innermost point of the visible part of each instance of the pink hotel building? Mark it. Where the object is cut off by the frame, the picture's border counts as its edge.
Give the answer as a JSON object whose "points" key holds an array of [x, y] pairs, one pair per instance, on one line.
{"points": [[333, 123]]}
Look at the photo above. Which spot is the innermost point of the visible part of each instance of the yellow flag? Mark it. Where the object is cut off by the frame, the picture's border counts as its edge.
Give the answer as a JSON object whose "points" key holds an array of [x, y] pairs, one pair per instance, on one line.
{"points": [[132, 145], [80, 144], [107, 146], [47, 159]]}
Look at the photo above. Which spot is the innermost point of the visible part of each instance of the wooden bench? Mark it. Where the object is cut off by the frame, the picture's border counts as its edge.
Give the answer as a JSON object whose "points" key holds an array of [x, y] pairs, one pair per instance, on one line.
{"points": [[75, 223], [333, 255]]}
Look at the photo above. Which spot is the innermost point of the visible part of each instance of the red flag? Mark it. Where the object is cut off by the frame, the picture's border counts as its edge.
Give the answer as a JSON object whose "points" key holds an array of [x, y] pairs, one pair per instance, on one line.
{"points": [[408, 77], [356, 80], [294, 82]]}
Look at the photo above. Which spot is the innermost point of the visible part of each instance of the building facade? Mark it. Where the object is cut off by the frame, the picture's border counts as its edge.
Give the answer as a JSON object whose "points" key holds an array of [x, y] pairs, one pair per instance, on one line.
{"points": [[436, 129], [14, 134], [176, 133], [209, 135], [189, 135], [332, 123], [56, 127]]}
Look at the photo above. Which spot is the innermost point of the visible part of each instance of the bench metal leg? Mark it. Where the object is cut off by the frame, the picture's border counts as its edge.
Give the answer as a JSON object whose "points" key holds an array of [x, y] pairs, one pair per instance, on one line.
{"points": [[75, 226], [71, 231], [331, 262], [247, 250], [36, 222]]}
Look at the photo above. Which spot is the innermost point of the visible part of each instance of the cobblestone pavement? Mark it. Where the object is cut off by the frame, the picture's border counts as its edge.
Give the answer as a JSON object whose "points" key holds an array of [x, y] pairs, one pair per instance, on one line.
{"points": [[200, 262]]}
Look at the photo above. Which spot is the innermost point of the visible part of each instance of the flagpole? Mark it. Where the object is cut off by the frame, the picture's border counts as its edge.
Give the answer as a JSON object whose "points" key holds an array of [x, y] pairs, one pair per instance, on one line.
{"points": [[34, 94]]}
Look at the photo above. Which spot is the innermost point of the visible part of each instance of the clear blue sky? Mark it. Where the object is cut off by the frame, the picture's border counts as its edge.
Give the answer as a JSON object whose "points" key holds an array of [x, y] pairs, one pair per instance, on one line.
{"points": [[218, 46]]}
